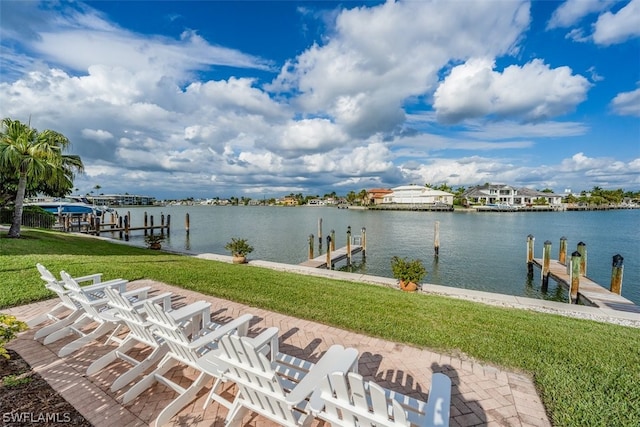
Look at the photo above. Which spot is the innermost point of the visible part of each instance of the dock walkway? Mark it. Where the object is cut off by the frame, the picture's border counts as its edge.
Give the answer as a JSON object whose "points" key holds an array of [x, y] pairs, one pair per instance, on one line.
{"points": [[589, 292], [336, 256]]}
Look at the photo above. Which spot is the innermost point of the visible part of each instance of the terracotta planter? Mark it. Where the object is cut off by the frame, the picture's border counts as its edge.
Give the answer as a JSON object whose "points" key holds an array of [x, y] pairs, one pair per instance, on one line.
{"points": [[408, 286], [239, 259]]}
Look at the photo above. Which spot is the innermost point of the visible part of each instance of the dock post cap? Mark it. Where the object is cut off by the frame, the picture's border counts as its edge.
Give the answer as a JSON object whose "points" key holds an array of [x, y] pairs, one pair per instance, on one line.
{"points": [[575, 253], [582, 244], [617, 260], [548, 242], [563, 238]]}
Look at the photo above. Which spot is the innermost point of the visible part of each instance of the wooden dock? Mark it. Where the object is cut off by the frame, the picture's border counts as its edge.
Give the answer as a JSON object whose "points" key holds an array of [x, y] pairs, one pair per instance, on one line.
{"points": [[589, 292], [336, 256]]}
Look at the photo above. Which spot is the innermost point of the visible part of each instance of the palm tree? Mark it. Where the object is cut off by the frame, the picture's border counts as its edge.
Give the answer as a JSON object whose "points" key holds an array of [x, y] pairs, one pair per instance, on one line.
{"points": [[35, 158]]}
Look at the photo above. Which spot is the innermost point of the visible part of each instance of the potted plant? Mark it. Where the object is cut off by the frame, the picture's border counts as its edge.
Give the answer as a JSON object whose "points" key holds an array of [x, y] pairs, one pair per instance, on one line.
{"points": [[239, 248], [154, 241], [408, 272]]}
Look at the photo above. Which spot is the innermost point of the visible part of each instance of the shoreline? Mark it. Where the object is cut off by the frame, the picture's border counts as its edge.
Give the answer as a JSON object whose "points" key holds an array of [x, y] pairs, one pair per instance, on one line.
{"points": [[489, 298]]}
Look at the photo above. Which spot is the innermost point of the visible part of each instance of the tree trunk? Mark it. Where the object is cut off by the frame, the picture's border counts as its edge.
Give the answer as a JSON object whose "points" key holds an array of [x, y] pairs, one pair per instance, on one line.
{"points": [[14, 231]]}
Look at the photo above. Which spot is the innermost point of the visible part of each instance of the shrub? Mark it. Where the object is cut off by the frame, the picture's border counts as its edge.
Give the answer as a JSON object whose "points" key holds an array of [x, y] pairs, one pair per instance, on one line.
{"points": [[9, 328]]}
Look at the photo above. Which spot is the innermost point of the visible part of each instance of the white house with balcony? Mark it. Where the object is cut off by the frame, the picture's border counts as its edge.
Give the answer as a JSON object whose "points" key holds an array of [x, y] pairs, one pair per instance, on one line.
{"points": [[489, 194], [417, 195]]}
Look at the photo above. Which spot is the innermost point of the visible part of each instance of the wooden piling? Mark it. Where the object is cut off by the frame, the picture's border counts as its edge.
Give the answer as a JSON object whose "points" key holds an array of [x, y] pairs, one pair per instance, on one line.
{"points": [[530, 240], [168, 224], [120, 226], [126, 226], [310, 246], [320, 233], [333, 240], [582, 249], [96, 224], [161, 223], [349, 245], [436, 239], [364, 242], [616, 274], [328, 252], [186, 222], [562, 251], [146, 223], [546, 257], [575, 277], [151, 223]]}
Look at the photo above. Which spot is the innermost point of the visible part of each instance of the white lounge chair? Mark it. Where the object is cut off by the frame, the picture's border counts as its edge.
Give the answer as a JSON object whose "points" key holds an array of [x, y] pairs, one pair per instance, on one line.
{"points": [[140, 333], [187, 351], [278, 389], [93, 311], [67, 310], [348, 400]]}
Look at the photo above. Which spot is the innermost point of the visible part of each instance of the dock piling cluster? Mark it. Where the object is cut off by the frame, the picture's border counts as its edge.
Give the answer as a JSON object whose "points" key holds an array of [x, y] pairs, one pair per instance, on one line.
{"points": [[573, 274]]}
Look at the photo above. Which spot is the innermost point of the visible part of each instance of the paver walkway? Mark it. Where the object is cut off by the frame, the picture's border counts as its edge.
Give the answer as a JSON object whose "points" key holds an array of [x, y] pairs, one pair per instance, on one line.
{"points": [[481, 394]]}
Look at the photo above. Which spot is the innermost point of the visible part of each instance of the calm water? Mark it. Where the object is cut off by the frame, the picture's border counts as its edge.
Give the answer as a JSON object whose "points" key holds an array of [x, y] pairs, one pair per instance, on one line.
{"points": [[482, 251]]}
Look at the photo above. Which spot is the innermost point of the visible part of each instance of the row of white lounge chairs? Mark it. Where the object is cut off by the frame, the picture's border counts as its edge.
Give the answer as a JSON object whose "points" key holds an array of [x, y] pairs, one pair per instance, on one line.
{"points": [[285, 389]]}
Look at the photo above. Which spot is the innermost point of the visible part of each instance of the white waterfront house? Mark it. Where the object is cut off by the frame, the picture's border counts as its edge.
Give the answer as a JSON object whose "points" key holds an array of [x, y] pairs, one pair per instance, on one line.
{"points": [[505, 194], [417, 195]]}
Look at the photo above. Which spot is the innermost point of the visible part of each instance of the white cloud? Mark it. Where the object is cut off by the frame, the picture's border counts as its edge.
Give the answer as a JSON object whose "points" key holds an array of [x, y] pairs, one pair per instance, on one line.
{"points": [[627, 103], [145, 117], [97, 134], [571, 12], [617, 27], [379, 56], [532, 92]]}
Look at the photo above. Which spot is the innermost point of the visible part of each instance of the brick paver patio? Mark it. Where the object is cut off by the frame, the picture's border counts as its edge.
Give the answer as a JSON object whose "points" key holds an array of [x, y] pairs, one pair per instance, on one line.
{"points": [[481, 394]]}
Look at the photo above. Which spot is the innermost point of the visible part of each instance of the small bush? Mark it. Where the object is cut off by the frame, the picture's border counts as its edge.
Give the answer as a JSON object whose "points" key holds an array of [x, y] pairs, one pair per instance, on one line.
{"points": [[9, 328]]}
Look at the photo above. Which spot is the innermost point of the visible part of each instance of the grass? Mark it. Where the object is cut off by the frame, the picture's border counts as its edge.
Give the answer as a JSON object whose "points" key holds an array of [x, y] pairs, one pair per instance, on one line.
{"points": [[587, 373]]}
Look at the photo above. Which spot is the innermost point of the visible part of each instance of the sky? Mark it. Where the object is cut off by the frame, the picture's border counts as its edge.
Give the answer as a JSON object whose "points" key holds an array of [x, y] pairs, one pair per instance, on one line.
{"points": [[262, 99]]}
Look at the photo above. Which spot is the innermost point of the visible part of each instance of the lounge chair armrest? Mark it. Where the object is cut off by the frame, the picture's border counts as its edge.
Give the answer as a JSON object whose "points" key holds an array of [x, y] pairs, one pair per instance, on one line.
{"points": [[95, 278], [337, 358], [188, 312], [240, 324], [163, 300], [118, 284], [267, 337], [137, 296]]}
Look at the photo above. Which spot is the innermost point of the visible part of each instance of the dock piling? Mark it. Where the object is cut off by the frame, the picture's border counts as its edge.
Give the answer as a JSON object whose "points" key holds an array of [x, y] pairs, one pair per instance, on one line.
{"points": [[575, 277], [310, 246], [582, 248], [364, 242], [333, 240], [562, 251], [436, 239], [146, 222], [349, 245], [186, 222], [320, 233], [616, 274], [530, 240], [546, 260], [329, 253]]}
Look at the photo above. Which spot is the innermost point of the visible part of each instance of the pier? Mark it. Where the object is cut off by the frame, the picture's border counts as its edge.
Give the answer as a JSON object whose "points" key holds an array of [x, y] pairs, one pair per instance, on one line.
{"points": [[355, 245], [571, 272], [589, 292]]}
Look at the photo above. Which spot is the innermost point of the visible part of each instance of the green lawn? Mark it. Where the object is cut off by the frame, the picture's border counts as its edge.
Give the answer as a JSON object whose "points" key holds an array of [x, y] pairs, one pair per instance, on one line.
{"points": [[587, 373]]}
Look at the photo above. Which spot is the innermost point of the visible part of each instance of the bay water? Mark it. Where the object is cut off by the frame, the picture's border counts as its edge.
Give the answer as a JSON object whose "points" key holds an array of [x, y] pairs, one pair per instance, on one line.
{"points": [[481, 251]]}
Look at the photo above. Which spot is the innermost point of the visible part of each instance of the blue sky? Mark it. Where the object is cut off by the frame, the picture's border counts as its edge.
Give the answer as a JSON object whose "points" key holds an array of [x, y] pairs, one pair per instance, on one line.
{"points": [[266, 98]]}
